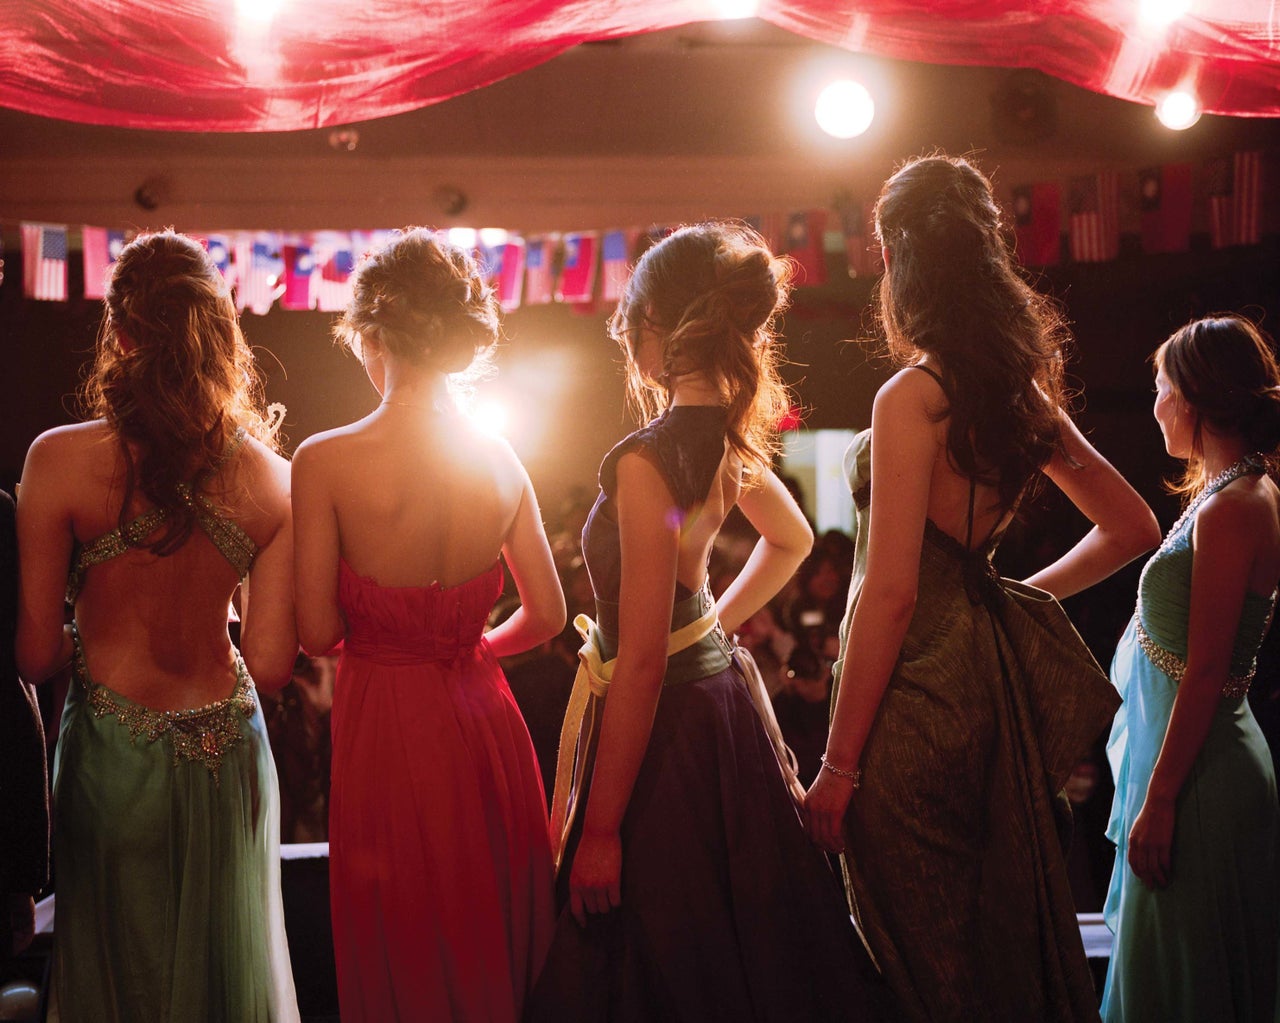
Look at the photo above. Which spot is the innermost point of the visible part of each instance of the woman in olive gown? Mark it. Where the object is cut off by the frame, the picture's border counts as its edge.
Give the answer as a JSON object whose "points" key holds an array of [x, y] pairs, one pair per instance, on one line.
{"points": [[963, 700], [1195, 893], [148, 518]]}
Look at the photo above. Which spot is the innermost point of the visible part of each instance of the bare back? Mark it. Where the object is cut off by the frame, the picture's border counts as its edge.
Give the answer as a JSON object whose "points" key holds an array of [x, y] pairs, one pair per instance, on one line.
{"points": [[418, 498], [154, 628]]}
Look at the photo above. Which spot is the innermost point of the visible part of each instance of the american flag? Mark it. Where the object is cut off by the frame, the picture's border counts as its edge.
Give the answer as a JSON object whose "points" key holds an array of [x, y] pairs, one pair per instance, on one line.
{"points": [[578, 270], [615, 263], [1235, 199], [511, 274], [101, 249], [806, 233], [539, 275], [44, 262], [299, 276], [219, 248], [1094, 225], [259, 272]]}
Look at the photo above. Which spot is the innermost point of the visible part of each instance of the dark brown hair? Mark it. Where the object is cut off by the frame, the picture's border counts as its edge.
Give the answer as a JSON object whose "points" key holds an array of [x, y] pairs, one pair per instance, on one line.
{"points": [[173, 375], [953, 290], [425, 300], [713, 292], [1225, 368]]}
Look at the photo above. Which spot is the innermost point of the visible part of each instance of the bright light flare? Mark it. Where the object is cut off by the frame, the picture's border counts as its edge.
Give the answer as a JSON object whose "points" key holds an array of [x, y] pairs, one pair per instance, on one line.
{"points": [[1178, 110], [735, 10], [1159, 13], [844, 109], [491, 416], [261, 11], [463, 237]]}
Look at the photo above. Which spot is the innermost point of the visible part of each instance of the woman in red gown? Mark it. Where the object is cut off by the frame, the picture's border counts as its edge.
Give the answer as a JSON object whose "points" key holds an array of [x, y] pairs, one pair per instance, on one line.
{"points": [[441, 877]]}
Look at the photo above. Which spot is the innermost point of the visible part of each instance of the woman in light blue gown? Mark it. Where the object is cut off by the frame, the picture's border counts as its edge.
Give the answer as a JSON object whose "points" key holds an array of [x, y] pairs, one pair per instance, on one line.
{"points": [[1195, 895]]}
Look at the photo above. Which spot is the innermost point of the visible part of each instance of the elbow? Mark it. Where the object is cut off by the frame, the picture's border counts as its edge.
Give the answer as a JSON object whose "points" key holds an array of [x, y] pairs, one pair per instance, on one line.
{"points": [[318, 642], [1142, 534], [271, 670], [36, 662], [552, 623], [897, 604]]}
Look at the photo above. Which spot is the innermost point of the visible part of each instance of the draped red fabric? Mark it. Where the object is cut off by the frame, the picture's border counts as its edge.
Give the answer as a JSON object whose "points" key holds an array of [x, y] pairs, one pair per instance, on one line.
{"points": [[197, 65]]}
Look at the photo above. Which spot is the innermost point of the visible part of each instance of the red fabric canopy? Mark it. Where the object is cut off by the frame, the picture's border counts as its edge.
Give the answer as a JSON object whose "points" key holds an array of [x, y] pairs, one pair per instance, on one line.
{"points": [[195, 65]]}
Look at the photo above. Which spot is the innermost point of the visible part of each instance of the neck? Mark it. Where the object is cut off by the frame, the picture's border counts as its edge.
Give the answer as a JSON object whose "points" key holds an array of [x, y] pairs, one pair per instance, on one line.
{"points": [[1221, 452], [694, 389], [406, 388]]}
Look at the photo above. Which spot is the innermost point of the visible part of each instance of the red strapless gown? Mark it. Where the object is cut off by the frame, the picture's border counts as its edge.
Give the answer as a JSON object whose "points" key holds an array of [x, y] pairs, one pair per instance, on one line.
{"points": [[441, 878]]}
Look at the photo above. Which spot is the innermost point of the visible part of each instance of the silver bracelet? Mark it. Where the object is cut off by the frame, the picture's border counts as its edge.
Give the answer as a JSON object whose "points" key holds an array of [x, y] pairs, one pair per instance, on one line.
{"points": [[854, 776]]}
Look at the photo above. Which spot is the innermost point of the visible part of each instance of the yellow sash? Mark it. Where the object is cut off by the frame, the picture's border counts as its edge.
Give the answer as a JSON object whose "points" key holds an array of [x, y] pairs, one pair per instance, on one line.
{"points": [[583, 715]]}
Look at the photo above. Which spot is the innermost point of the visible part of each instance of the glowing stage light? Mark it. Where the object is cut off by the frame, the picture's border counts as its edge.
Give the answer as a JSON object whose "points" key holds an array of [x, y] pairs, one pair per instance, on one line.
{"points": [[493, 236], [1159, 13], [733, 10], [844, 109], [1178, 110], [261, 11]]}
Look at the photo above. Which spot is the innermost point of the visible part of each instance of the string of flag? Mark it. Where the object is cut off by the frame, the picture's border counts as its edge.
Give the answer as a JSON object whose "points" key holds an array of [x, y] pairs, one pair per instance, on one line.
{"points": [[313, 270]]}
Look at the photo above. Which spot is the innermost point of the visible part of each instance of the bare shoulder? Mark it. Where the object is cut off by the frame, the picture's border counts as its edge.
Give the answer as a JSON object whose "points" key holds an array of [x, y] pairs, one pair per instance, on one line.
{"points": [[1248, 507], [71, 450], [912, 394]]}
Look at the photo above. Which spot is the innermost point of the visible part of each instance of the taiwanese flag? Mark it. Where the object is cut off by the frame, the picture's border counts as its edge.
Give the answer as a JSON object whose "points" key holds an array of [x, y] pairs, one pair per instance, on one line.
{"points": [[101, 249], [615, 263], [578, 269], [511, 274], [772, 228], [1164, 195], [1037, 215], [804, 244], [299, 276], [539, 283], [219, 248], [44, 262]]}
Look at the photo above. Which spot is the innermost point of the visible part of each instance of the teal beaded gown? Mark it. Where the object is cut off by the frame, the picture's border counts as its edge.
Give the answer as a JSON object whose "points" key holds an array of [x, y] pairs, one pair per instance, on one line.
{"points": [[166, 841], [1203, 949]]}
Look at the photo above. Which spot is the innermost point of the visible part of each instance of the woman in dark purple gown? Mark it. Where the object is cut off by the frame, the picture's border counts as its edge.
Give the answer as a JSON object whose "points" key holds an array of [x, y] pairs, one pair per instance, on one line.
{"points": [[688, 887]]}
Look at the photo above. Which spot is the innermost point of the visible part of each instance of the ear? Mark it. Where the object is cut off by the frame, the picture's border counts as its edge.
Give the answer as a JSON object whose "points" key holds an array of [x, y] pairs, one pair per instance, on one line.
{"points": [[125, 342], [886, 255]]}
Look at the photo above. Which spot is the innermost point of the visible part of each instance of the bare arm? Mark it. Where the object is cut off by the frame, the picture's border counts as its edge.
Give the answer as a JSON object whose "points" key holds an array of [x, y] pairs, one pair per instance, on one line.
{"points": [[1124, 527], [315, 553], [650, 545], [785, 540], [1224, 541], [541, 613], [45, 541], [268, 632], [904, 448]]}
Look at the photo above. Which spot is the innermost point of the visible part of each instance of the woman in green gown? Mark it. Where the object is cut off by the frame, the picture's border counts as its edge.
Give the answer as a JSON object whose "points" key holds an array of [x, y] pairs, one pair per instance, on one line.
{"points": [[1195, 894], [147, 518], [964, 699]]}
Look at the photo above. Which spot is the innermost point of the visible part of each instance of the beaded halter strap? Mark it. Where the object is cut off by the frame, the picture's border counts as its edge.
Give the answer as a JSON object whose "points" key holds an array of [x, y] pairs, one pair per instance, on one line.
{"points": [[1166, 660]]}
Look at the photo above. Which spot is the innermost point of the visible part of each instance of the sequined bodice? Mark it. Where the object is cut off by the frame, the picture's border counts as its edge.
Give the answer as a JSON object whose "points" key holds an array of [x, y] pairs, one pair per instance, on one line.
{"points": [[232, 542], [1164, 603]]}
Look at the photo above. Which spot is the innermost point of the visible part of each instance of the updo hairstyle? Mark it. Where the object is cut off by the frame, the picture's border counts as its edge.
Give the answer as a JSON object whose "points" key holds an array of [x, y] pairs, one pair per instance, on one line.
{"points": [[425, 301], [1225, 368], [173, 376], [712, 292], [953, 290]]}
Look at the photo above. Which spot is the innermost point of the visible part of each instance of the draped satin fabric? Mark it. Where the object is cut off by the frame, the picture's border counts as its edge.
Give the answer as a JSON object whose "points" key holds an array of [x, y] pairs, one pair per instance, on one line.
{"points": [[192, 66]]}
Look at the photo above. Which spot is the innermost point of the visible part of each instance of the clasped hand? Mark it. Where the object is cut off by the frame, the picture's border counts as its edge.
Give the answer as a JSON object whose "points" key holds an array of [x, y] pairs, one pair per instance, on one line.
{"points": [[595, 879]]}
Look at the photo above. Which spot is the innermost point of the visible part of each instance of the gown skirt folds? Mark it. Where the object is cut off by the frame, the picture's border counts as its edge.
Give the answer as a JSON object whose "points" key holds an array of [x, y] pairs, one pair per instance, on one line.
{"points": [[954, 843], [166, 837], [440, 855], [728, 912], [1205, 947]]}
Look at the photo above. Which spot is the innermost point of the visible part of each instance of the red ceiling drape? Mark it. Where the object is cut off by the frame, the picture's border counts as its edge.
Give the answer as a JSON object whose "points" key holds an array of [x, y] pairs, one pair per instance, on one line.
{"points": [[193, 65]]}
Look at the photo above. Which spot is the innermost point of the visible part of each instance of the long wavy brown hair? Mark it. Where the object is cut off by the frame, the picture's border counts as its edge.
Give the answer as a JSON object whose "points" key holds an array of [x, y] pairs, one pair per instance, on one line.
{"points": [[953, 290], [713, 293], [173, 376], [1225, 368]]}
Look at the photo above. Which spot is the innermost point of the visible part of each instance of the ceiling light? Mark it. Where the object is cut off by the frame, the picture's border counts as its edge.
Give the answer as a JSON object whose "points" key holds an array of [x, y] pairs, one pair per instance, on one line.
{"points": [[844, 109], [1178, 110]]}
